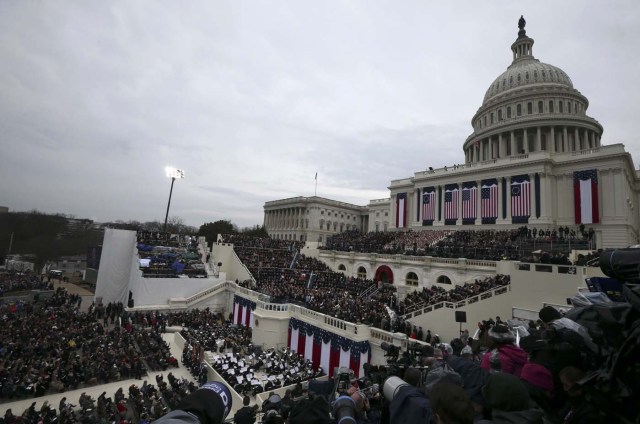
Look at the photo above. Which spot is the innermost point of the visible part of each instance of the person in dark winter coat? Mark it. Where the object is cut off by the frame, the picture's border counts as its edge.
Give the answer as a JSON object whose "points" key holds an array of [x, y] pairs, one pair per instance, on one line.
{"points": [[509, 402]]}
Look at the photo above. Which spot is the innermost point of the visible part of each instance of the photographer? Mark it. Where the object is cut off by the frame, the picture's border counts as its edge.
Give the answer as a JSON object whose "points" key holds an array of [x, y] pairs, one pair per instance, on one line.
{"points": [[208, 405]]}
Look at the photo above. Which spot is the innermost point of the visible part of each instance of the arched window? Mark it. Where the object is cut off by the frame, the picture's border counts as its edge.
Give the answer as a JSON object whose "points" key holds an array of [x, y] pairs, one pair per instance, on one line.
{"points": [[568, 107], [508, 112], [492, 117], [341, 267], [499, 114], [529, 108], [362, 273], [411, 279], [443, 279], [540, 107], [560, 107], [519, 109], [550, 106]]}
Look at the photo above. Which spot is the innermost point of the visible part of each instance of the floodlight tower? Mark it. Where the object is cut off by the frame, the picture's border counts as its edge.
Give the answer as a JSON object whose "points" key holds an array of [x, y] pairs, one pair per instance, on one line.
{"points": [[172, 173]]}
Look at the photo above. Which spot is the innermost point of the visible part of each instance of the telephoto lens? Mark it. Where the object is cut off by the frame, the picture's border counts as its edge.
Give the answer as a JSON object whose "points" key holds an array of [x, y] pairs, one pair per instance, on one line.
{"points": [[391, 387], [344, 410]]}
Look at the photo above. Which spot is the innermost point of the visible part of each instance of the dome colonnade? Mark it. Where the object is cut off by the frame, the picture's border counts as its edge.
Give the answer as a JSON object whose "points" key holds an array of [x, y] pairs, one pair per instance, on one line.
{"points": [[531, 107]]}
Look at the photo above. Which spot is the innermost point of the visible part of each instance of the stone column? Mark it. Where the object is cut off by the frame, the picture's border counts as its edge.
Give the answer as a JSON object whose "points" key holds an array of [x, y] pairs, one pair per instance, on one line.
{"points": [[532, 212], [501, 148], [576, 139], [585, 139], [513, 144], [565, 140], [459, 194], [490, 148], [525, 141], [552, 142], [538, 139]]}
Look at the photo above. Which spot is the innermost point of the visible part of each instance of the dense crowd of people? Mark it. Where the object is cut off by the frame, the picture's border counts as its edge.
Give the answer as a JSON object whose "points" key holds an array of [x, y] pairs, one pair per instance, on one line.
{"points": [[136, 404], [12, 281], [163, 255], [471, 244], [49, 346], [435, 294], [288, 276]]}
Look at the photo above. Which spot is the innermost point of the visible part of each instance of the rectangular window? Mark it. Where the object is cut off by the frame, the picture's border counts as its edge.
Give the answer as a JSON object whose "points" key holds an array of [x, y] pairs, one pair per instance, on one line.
{"points": [[529, 108], [519, 110], [492, 117], [508, 112], [560, 107], [540, 107], [550, 106], [568, 107]]}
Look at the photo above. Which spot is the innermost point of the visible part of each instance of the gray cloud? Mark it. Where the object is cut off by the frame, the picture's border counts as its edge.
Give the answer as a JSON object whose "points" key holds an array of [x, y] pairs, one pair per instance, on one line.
{"points": [[253, 100]]}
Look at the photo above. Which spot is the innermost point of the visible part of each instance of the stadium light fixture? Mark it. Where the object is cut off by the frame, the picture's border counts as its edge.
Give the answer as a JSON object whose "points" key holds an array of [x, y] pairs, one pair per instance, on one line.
{"points": [[172, 173]]}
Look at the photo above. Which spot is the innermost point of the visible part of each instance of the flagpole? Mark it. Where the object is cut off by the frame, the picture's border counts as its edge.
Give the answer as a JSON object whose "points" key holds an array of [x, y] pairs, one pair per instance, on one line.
{"points": [[315, 192]]}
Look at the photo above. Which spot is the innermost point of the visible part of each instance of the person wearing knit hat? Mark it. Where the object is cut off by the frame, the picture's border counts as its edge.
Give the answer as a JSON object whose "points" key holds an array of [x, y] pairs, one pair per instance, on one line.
{"points": [[507, 357], [548, 314], [466, 352], [509, 401]]}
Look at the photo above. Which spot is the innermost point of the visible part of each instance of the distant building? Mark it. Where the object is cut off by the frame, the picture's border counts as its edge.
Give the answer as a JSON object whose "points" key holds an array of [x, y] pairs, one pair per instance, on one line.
{"points": [[70, 264], [4, 209], [312, 219]]}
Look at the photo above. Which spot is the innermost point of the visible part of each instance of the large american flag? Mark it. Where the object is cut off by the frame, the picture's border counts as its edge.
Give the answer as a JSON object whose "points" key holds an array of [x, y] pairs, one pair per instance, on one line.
{"points": [[429, 206], [401, 210], [469, 202], [489, 201], [585, 196], [451, 204], [520, 198]]}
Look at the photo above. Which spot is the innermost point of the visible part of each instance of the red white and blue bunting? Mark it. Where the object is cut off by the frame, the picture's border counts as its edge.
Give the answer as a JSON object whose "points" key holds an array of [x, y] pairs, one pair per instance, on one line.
{"points": [[326, 349], [243, 311]]}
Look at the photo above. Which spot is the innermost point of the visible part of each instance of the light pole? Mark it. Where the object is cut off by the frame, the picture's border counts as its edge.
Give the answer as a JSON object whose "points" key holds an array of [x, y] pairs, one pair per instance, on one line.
{"points": [[173, 174]]}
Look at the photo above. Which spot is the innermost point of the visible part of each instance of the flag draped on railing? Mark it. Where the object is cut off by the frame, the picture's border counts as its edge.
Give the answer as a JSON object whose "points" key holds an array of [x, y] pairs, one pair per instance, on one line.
{"points": [[326, 349]]}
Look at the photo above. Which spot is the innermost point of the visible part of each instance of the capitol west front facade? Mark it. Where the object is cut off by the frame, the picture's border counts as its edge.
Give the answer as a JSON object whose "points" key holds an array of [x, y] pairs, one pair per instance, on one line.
{"points": [[534, 158]]}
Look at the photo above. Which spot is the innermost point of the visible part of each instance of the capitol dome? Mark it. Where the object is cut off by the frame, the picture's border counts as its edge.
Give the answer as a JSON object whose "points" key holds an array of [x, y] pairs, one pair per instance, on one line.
{"points": [[525, 72], [531, 107]]}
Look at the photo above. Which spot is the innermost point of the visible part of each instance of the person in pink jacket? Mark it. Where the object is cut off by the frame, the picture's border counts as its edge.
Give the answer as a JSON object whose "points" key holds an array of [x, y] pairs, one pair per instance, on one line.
{"points": [[503, 354]]}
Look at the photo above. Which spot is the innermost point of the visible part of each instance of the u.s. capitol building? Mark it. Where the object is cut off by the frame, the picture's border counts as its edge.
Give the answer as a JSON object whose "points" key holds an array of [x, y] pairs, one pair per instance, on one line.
{"points": [[534, 158]]}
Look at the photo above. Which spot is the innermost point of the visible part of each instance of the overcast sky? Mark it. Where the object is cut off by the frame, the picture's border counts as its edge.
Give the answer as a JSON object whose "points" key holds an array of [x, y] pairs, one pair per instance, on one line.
{"points": [[252, 98]]}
